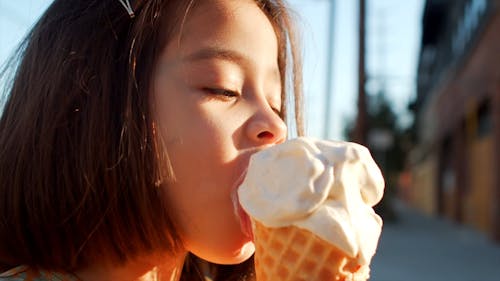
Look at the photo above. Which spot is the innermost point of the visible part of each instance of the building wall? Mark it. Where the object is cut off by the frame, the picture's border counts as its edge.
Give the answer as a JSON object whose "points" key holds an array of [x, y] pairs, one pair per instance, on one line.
{"points": [[471, 86], [465, 105], [478, 201], [423, 188]]}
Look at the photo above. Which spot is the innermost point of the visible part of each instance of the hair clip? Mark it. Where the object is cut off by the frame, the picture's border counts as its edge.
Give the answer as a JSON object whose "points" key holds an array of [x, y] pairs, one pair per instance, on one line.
{"points": [[128, 7]]}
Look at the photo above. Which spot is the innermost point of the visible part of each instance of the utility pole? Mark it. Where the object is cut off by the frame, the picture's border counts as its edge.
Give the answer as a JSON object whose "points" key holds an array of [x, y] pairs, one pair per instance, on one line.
{"points": [[329, 70], [360, 131]]}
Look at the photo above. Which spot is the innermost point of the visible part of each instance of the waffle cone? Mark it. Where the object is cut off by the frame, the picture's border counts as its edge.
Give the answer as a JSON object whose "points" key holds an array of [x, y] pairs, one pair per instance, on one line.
{"points": [[293, 254]]}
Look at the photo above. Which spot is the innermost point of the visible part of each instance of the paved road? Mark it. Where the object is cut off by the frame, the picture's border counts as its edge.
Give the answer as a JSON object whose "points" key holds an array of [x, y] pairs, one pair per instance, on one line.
{"points": [[420, 248]]}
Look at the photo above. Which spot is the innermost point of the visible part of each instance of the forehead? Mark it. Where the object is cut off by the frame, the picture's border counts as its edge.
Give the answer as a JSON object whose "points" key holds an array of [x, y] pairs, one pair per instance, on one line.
{"points": [[226, 24]]}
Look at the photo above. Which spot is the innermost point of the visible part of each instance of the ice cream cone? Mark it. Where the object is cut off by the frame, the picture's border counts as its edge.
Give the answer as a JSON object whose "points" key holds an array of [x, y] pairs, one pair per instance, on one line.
{"points": [[311, 205], [293, 254]]}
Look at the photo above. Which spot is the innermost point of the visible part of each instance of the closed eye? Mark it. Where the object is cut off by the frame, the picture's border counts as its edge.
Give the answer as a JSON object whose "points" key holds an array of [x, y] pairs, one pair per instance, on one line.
{"points": [[277, 111], [221, 92], [276, 105]]}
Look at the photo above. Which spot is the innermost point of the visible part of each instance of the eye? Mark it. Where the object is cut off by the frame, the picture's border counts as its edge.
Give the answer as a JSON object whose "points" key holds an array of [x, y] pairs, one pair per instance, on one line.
{"points": [[276, 105], [223, 93], [276, 110]]}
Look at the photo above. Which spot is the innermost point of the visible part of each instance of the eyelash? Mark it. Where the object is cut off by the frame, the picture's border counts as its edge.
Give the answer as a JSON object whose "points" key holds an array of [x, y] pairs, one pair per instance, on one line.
{"points": [[276, 110], [221, 92], [228, 94]]}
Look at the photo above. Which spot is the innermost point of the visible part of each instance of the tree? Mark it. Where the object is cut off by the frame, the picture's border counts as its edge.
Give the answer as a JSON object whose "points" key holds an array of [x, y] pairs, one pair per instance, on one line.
{"points": [[387, 142]]}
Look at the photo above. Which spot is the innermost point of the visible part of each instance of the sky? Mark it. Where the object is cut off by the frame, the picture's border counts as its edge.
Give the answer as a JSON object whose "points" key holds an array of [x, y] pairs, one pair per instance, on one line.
{"points": [[392, 46], [393, 36]]}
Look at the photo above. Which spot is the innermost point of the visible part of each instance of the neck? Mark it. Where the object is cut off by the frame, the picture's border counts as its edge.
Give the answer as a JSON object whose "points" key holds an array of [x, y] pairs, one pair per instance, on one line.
{"points": [[151, 268]]}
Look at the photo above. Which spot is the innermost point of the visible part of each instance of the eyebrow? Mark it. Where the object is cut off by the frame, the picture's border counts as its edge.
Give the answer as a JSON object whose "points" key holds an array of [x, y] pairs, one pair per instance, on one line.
{"points": [[216, 53], [225, 55]]}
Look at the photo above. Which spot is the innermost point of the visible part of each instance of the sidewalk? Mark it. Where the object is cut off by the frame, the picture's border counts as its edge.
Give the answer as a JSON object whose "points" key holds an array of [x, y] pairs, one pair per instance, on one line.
{"points": [[421, 248]]}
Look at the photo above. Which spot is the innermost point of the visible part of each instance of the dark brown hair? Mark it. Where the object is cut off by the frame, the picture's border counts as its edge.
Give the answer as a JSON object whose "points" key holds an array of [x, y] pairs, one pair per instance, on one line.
{"points": [[80, 171]]}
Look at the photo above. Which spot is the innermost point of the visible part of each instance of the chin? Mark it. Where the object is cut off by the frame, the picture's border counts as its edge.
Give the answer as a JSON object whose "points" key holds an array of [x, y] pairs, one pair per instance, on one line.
{"points": [[241, 254], [244, 253]]}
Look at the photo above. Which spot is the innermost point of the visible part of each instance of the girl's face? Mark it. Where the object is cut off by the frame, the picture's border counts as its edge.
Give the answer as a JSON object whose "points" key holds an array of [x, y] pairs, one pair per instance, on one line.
{"points": [[216, 99]]}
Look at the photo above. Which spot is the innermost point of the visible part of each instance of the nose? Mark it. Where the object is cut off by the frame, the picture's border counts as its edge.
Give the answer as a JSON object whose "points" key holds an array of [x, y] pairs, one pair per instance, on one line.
{"points": [[266, 127]]}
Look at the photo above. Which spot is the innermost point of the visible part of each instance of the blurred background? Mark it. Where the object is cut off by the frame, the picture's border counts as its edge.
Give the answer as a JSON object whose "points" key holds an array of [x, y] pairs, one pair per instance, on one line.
{"points": [[418, 82]]}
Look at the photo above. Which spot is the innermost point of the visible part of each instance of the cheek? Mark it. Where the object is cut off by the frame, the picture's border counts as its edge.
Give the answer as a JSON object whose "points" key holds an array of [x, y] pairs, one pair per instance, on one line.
{"points": [[199, 138], [205, 170], [204, 210], [206, 166]]}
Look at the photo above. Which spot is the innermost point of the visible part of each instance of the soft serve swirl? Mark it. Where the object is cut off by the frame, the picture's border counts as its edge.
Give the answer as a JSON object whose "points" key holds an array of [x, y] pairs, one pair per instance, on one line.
{"points": [[326, 187]]}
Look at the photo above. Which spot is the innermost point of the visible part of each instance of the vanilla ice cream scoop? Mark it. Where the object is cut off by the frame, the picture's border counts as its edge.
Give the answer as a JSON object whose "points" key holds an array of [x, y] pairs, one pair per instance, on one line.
{"points": [[326, 187]]}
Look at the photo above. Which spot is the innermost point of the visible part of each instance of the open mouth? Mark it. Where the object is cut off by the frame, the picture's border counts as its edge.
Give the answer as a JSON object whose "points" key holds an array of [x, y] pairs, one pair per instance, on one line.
{"points": [[244, 219]]}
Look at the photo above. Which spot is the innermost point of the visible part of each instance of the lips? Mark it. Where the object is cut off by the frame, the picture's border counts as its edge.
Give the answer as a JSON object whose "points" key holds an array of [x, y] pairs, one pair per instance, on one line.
{"points": [[243, 218]]}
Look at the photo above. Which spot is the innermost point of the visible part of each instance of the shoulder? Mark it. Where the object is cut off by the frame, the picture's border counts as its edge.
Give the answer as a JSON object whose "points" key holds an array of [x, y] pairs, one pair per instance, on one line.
{"points": [[26, 273]]}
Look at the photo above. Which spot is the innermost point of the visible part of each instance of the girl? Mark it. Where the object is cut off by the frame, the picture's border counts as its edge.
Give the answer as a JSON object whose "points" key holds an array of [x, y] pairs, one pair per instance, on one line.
{"points": [[126, 129]]}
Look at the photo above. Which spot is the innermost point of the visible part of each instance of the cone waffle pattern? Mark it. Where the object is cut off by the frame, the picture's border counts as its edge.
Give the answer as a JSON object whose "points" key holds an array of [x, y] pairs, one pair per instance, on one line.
{"points": [[294, 254]]}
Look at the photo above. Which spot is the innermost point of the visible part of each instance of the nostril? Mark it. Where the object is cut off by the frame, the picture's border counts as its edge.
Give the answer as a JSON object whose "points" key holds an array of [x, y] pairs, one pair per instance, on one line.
{"points": [[265, 135]]}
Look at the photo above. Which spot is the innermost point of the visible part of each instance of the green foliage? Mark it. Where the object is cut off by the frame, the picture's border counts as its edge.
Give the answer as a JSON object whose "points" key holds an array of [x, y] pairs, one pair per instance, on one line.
{"points": [[391, 159]]}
